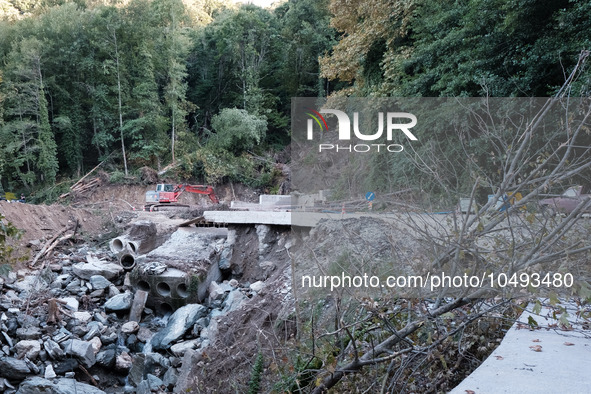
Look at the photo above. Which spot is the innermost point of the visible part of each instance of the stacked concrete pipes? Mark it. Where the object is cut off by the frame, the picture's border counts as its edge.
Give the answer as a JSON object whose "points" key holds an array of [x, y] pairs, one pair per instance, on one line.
{"points": [[140, 239], [168, 289], [126, 251]]}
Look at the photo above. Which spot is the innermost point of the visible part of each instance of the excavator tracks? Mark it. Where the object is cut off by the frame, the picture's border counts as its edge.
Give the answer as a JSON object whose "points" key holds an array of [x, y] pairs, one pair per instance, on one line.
{"points": [[163, 207]]}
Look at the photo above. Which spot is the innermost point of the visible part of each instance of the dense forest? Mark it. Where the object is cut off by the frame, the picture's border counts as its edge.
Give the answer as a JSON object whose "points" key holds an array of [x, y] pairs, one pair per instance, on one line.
{"points": [[207, 83], [146, 83]]}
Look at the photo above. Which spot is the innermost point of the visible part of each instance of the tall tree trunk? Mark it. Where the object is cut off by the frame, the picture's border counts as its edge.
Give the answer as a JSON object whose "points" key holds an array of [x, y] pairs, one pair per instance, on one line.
{"points": [[119, 97], [172, 147], [98, 147]]}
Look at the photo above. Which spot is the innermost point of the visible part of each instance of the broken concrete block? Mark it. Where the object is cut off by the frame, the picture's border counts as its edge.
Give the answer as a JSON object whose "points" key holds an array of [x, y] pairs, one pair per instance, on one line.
{"points": [[137, 306]]}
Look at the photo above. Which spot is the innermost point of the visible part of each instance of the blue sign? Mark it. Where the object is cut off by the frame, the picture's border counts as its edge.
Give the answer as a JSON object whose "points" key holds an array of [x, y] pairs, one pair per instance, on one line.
{"points": [[370, 196]]}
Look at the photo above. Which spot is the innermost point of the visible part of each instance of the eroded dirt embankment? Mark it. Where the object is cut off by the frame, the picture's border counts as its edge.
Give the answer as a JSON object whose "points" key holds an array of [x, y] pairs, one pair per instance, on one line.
{"points": [[41, 222], [96, 211]]}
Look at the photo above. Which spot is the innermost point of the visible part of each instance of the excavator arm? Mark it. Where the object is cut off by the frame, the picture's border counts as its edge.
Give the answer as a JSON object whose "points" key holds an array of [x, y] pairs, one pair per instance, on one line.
{"points": [[199, 189], [166, 195]]}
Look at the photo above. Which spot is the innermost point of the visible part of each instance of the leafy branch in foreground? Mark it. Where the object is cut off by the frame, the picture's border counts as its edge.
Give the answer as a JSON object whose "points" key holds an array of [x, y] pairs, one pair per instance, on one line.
{"points": [[7, 232], [510, 241]]}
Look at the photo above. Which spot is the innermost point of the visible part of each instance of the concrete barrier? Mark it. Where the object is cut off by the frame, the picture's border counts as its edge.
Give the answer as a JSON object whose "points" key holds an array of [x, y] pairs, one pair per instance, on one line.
{"points": [[168, 288]]}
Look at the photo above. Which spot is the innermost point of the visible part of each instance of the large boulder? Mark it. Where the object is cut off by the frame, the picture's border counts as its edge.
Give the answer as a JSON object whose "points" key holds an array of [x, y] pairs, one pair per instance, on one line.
{"points": [[30, 349], [185, 377], [106, 358], [14, 369], [119, 303], [234, 301], [82, 350], [37, 385], [178, 324], [152, 383], [99, 282], [170, 378], [94, 266], [181, 348], [31, 283], [65, 366], [27, 333], [53, 349]]}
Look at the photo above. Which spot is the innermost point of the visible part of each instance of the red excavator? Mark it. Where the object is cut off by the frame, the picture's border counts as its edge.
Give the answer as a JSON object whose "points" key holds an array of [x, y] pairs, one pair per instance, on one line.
{"points": [[167, 195]]}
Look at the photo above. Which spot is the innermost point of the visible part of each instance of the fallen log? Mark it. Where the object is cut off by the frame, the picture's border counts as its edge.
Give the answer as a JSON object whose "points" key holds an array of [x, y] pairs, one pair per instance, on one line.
{"points": [[53, 242], [88, 173], [168, 168], [83, 187], [77, 184]]}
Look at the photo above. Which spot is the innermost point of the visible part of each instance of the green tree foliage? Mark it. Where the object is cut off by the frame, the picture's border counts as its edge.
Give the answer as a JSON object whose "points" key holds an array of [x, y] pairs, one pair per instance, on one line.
{"points": [[258, 60], [305, 36], [29, 145], [83, 80], [228, 156], [139, 82], [369, 27], [175, 45], [237, 130], [7, 233], [233, 60], [255, 377], [467, 48], [47, 163], [464, 48]]}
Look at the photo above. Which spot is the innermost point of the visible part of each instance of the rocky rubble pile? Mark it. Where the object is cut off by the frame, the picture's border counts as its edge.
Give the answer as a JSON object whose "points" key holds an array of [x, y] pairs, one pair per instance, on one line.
{"points": [[65, 329]]}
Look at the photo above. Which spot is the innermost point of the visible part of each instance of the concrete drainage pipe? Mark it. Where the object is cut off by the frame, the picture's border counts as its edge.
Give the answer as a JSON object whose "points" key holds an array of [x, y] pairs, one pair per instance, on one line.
{"points": [[117, 245], [133, 246], [123, 244], [127, 261]]}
